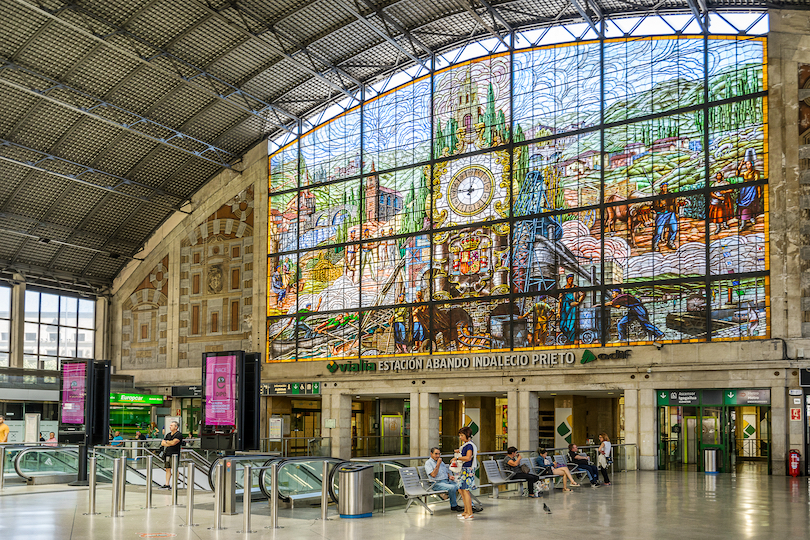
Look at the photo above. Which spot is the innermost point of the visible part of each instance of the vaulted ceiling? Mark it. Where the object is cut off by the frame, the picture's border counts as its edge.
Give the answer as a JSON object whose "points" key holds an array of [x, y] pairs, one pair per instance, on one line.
{"points": [[115, 112]]}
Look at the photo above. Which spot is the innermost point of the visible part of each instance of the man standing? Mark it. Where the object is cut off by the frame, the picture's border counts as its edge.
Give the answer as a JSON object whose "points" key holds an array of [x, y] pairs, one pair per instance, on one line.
{"points": [[635, 312], [4, 429], [512, 463], [440, 472], [172, 443], [666, 218], [581, 461]]}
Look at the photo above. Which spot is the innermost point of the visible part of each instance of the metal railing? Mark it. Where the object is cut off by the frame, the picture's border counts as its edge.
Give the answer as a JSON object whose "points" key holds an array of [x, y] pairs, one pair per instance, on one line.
{"points": [[298, 446]]}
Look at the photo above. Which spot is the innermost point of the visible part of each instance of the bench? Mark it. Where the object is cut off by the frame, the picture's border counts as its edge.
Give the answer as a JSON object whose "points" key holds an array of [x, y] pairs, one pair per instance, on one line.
{"points": [[416, 488], [562, 461], [426, 477], [497, 476]]}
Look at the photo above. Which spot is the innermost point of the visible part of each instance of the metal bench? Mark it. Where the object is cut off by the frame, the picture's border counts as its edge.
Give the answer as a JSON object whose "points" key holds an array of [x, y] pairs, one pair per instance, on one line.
{"points": [[562, 461], [416, 489], [497, 476]]}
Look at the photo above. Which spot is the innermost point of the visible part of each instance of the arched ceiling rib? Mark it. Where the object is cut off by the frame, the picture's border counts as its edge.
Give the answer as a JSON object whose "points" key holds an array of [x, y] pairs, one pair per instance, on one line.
{"points": [[116, 112]]}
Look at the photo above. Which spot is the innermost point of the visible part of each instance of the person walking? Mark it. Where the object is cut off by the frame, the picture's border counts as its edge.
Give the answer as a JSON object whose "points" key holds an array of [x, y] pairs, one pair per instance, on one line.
{"points": [[603, 455], [467, 481], [4, 429]]}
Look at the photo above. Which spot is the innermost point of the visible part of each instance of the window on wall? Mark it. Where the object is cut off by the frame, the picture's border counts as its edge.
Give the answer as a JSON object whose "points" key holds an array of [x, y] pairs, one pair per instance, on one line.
{"points": [[5, 325], [607, 192], [57, 327]]}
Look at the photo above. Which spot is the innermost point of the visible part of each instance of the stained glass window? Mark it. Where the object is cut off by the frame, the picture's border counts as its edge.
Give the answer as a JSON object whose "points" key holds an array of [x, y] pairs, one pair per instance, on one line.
{"points": [[599, 192]]}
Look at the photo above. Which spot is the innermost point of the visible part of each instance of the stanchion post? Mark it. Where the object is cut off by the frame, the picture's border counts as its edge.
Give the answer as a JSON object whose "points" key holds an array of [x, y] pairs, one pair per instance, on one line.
{"points": [[324, 489], [274, 493], [91, 482], [383, 490], [148, 482], [116, 478], [122, 485], [219, 481], [2, 468], [190, 496], [175, 469], [247, 491]]}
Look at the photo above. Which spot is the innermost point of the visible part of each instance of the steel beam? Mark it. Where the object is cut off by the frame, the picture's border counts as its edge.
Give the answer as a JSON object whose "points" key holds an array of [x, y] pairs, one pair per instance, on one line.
{"points": [[208, 152], [44, 240], [371, 26], [483, 23], [699, 12], [200, 79], [276, 46], [398, 27], [44, 157], [495, 14], [581, 10], [93, 284]]}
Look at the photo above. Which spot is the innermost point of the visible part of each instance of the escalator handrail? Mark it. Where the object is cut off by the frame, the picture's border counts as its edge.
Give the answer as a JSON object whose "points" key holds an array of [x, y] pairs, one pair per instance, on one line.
{"points": [[40, 449], [283, 461], [241, 457]]}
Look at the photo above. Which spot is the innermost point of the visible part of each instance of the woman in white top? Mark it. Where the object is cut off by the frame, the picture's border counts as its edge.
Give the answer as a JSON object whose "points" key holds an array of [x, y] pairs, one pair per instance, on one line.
{"points": [[603, 455]]}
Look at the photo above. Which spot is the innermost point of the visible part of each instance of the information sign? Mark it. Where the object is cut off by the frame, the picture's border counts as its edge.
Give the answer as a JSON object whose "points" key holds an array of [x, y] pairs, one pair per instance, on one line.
{"points": [[220, 390]]}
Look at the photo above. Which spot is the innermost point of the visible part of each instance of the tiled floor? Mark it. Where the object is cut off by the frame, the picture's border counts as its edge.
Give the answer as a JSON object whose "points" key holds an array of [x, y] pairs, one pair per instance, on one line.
{"points": [[639, 505]]}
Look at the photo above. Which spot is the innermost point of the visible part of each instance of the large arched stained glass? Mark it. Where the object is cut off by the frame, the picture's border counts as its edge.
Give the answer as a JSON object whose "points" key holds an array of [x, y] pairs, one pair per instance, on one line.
{"points": [[606, 192]]}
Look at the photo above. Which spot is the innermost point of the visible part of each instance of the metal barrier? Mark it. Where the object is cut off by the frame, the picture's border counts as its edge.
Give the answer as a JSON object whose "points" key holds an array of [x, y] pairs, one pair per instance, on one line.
{"points": [[2, 468], [116, 479], [190, 496], [274, 494], [219, 485], [324, 490], [122, 485], [175, 471], [91, 482], [149, 464], [247, 490]]}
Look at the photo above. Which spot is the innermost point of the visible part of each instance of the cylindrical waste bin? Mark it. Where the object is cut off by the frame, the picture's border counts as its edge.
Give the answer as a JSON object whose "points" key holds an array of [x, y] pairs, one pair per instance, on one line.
{"points": [[355, 490], [710, 460]]}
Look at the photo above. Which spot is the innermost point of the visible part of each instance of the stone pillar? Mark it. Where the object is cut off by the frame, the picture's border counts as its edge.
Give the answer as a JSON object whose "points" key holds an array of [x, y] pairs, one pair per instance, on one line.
{"points": [[779, 429], [17, 323], [415, 433], [647, 430], [101, 347], [424, 422], [631, 433], [512, 418], [338, 408], [528, 432]]}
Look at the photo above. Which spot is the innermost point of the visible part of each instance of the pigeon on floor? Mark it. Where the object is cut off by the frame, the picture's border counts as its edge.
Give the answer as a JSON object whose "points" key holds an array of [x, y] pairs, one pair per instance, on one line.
{"points": [[546, 508]]}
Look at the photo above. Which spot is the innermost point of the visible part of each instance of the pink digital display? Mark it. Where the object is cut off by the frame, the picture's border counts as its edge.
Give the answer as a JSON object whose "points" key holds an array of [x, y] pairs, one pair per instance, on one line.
{"points": [[74, 392], [220, 390]]}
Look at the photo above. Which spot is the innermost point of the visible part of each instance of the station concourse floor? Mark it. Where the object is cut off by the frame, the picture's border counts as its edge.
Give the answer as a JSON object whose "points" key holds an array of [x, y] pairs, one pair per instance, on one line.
{"points": [[638, 505]]}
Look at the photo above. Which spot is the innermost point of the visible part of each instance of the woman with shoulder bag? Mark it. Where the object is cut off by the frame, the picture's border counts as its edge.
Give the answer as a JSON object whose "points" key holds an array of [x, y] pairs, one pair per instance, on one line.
{"points": [[603, 454]]}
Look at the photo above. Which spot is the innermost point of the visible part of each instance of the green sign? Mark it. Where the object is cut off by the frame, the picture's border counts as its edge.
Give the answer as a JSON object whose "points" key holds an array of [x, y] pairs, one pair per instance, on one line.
{"points": [[294, 389], [136, 399], [728, 397]]}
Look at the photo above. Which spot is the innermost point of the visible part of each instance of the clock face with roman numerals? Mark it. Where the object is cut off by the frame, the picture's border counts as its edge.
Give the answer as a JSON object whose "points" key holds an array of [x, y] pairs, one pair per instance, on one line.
{"points": [[470, 190]]}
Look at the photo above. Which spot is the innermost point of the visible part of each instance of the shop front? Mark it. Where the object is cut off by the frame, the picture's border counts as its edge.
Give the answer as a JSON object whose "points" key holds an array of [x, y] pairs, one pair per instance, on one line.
{"points": [[735, 423], [130, 413]]}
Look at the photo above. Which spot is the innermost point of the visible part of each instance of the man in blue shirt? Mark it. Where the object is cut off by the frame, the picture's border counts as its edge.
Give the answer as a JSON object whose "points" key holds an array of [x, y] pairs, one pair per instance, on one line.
{"points": [[439, 471], [118, 440]]}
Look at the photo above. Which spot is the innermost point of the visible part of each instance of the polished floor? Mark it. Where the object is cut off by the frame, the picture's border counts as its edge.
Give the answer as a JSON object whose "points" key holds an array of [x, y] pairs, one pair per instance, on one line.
{"points": [[639, 505]]}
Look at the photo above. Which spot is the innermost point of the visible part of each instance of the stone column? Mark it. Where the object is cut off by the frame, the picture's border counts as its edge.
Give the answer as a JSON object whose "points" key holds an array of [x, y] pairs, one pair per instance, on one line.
{"points": [[424, 422], [101, 346], [486, 437], [528, 433], [631, 433], [415, 434], [779, 431], [512, 418], [647, 430], [17, 322], [338, 407], [171, 327]]}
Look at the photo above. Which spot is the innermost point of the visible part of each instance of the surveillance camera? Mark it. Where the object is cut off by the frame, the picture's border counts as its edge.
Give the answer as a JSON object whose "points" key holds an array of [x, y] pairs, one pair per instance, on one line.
{"points": [[659, 346], [649, 370]]}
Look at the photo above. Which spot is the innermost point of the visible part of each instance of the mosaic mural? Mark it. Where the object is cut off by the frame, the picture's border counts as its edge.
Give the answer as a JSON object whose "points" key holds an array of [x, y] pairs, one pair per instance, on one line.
{"points": [[564, 196]]}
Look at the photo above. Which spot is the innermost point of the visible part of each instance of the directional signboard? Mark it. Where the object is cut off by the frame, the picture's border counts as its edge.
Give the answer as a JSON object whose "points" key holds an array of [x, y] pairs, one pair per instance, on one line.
{"points": [[729, 397], [291, 389]]}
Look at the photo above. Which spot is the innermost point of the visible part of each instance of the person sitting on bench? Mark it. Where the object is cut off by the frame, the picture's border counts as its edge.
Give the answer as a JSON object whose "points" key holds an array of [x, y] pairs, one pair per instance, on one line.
{"points": [[545, 461], [581, 461], [440, 472], [512, 463]]}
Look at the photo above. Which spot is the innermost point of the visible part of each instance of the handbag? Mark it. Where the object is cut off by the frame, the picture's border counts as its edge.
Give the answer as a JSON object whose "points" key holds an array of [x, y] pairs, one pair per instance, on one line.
{"points": [[525, 468]]}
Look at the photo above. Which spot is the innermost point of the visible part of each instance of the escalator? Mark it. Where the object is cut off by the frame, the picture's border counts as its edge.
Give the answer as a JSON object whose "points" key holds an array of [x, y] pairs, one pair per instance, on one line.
{"points": [[47, 464]]}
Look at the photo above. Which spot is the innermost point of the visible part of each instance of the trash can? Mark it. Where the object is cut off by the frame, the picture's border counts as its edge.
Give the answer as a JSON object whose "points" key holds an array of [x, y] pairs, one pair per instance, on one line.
{"points": [[710, 460], [355, 490]]}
